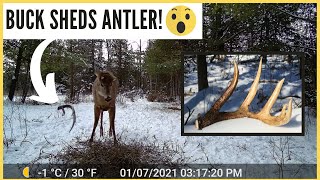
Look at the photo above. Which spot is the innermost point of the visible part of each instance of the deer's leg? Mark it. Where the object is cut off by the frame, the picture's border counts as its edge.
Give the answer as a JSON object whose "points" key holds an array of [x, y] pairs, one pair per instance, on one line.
{"points": [[101, 126], [96, 119], [112, 113]]}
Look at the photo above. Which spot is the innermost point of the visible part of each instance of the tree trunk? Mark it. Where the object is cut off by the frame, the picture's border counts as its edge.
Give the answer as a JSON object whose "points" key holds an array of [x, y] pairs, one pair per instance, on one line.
{"points": [[92, 55], [140, 66], [220, 46], [16, 73], [71, 76], [178, 87], [26, 84], [72, 92], [92, 60], [202, 72], [119, 54], [266, 37], [264, 59], [108, 47]]}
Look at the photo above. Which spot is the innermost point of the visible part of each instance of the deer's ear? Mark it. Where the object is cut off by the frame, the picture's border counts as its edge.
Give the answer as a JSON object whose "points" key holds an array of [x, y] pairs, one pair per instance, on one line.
{"points": [[113, 77], [97, 73]]}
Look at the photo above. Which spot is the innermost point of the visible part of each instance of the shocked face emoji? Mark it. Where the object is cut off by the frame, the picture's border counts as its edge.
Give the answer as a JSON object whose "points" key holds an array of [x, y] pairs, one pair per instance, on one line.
{"points": [[181, 20]]}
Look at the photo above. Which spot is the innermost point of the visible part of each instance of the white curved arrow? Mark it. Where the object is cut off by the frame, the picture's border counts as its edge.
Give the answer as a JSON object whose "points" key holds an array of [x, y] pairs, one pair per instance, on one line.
{"points": [[47, 94]]}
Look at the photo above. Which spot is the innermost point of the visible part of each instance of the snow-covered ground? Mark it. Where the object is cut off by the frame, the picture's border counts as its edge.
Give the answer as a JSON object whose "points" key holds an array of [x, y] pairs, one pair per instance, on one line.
{"points": [[48, 130], [220, 73], [245, 125], [150, 122]]}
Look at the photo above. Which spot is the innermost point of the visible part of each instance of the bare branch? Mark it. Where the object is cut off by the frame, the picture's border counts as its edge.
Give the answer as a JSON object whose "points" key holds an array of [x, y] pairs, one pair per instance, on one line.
{"points": [[190, 113], [295, 16]]}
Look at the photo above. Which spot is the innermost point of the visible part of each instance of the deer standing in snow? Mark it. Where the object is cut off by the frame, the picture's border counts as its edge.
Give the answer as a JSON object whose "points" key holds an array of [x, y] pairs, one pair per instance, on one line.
{"points": [[104, 92]]}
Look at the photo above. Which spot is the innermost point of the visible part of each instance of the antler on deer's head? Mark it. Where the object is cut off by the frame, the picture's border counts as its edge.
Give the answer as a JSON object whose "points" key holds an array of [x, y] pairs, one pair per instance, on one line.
{"points": [[213, 115]]}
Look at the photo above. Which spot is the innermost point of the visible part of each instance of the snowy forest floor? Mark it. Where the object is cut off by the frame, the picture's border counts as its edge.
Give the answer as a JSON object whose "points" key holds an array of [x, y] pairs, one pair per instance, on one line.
{"points": [[34, 130]]}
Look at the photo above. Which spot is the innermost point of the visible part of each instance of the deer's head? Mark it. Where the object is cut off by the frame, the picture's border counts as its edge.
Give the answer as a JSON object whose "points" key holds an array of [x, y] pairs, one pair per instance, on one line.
{"points": [[105, 82]]}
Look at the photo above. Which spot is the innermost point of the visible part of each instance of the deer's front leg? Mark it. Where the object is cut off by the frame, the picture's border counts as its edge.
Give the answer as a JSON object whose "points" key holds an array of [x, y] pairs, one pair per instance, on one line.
{"points": [[112, 112], [101, 126], [96, 119]]}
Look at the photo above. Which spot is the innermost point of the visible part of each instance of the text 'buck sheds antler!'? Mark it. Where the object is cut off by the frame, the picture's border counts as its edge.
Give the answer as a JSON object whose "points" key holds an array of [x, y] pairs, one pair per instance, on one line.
{"points": [[213, 115]]}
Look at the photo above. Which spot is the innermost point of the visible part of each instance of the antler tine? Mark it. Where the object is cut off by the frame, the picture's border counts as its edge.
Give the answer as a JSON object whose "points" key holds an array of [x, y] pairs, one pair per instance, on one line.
{"points": [[264, 114], [283, 110], [279, 120], [289, 112], [272, 99], [227, 93], [253, 90], [212, 115]]}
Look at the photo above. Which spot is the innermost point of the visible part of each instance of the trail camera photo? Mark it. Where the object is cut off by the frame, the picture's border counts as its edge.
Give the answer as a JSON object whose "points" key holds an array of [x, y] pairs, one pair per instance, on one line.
{"points": [[232, 95]]}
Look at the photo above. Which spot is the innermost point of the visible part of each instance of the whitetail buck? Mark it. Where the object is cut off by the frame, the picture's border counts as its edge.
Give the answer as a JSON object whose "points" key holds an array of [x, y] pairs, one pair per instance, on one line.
{"points": [[104, 92], [213, 115]]}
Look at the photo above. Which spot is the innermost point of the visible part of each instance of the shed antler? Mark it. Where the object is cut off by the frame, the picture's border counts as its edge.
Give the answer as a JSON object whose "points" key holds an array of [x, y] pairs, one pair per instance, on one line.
{"points": [[213, 115]]}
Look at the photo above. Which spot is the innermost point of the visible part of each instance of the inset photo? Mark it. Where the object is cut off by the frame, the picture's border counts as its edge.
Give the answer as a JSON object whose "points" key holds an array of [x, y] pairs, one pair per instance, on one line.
{"points": [[243, 94]]}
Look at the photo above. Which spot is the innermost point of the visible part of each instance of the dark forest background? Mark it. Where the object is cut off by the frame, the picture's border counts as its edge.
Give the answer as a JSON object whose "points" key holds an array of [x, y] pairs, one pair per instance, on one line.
{"points": [[156, 71]]}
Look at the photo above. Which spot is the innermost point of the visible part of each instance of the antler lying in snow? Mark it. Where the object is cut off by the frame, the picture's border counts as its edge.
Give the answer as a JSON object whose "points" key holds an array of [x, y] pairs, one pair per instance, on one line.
{"points": [[213, 115]]}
